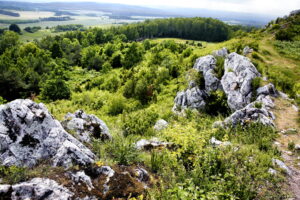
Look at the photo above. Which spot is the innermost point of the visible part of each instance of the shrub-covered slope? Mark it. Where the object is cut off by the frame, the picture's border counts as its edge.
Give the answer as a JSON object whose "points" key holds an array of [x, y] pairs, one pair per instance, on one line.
{"points": [[130, 86]]}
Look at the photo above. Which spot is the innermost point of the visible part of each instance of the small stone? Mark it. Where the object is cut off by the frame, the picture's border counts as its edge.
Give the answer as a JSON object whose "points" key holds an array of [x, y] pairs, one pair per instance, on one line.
{"points": [[160, 125], [272, 171], [247, 50], [144, 144], [297, 147], [282, 165]]}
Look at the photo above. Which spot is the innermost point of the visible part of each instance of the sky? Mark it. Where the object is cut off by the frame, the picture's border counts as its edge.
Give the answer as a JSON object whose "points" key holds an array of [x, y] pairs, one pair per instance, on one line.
{"points": [[265, 7]]}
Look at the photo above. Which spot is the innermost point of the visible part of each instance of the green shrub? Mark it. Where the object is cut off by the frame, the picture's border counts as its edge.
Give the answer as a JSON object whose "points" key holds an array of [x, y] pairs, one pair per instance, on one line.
{"points": [[123, 151], [13, 174], [55, 89], [140, 122], [291, 145], [217, 103], [258, 104], [197, 77], [255, 84], [117, 105], [157, 159], [2, 100], [219, 70]]}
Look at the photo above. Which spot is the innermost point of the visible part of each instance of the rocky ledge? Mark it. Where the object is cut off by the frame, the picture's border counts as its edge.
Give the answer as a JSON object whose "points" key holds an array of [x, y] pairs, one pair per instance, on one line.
{"points": [[30, 134]]}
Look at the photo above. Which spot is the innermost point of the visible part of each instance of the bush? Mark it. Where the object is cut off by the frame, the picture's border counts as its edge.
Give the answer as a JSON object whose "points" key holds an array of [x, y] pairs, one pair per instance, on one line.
{"points": [[219, 70], [55, 89], [123, 151], [255, 84], [2, 101], [14, 28], [116, 105], [13, 174], [291, 145], [217, 103], [197, 77], [139, 122]]}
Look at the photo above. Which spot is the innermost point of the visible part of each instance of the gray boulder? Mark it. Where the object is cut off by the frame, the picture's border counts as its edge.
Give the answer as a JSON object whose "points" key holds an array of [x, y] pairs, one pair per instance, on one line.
{"points": [[85, 126], [282, 166], [221, 52], [236, 82], [160, 125], [191, 98], [144, 144], [206, 65], [29, 133], [81, 177], [37, 188], [268, 89], [253, 112], [247, 50]]}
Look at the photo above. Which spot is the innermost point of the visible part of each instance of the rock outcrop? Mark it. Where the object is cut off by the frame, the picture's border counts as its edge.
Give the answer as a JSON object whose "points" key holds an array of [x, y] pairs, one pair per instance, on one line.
{"points": [[37, 188], [236, 82], [29, 134], [191, 98], [221, 52], [85, 126], [206, 66], [247, 50]]}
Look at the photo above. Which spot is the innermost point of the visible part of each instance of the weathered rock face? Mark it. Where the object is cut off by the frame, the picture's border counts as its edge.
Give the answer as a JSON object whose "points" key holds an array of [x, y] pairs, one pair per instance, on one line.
{"points": [[37, 188], [221, 52], [236, 82], [85, 126], [206, 65], [160, 125], [247, 50], [28, 134], [191, 98], [267, 90], [254, 112]]}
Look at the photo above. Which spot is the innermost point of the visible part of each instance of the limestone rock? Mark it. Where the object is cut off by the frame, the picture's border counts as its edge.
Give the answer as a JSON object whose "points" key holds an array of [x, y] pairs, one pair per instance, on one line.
{"points": [[29, 133], [247, 50], [236, 82], [81, 177], [206, 65], [160, 125], [86, 126], [221, 52], [268, 89], [251, 113], [191, 98], [37, 188], [214, 142], [282, 165], [144, 144]]}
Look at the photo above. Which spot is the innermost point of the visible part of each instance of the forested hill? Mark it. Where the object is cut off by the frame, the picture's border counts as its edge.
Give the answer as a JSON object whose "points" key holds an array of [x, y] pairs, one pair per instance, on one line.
{"points": [[26, 65]]}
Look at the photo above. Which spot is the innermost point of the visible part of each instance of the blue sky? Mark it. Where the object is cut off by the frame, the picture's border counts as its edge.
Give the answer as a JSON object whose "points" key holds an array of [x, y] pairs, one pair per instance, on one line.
{"points": [[266, 7]]}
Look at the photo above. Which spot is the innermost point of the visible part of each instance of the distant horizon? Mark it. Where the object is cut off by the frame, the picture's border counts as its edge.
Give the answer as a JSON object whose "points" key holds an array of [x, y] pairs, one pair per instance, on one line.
{"points": [[274, 8]]}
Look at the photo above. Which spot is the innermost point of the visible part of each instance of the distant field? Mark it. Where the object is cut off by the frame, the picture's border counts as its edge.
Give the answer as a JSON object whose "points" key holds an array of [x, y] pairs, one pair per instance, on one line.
{"points": [[26, 37], [25, 15]]}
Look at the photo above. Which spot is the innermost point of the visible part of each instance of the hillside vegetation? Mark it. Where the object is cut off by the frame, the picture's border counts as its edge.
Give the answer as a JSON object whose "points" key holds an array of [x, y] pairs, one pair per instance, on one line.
{"points": [[128, 76]]}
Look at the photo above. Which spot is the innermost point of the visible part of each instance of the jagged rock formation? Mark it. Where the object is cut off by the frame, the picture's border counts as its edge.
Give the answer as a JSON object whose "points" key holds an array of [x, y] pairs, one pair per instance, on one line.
{"points": [[191, 98], [37, 188], [206, 66], [221, 52], [29, 133], [160, 125], [85, 126], [247, 50], [236, 82]]}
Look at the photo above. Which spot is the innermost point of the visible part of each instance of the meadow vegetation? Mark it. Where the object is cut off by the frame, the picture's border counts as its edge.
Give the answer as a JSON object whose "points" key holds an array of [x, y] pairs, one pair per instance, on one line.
{"points": [[130, 82]]}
